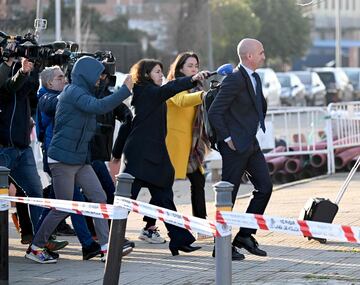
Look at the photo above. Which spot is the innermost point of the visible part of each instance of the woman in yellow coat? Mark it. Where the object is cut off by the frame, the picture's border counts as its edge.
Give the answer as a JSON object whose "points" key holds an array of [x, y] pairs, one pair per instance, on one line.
{"points": [[186, 141]]}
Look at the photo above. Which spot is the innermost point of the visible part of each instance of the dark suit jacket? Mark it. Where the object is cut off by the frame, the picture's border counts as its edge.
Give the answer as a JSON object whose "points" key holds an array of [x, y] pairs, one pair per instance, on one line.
{"points": [[145, 153], [234, 111]]}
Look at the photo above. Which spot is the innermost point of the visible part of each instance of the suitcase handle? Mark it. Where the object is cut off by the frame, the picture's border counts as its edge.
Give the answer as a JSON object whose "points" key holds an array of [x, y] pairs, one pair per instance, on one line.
{"points": [[347, 181]]}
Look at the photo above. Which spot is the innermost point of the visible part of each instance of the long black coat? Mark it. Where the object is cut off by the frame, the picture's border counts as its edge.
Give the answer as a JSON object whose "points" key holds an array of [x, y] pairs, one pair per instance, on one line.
{"points": [[145, 153], [234, 111]]}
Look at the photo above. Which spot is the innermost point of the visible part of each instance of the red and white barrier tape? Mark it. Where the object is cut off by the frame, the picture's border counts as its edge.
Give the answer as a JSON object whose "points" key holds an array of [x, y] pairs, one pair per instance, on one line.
{"points": [[220, 228], [291, 226], [103, 211], [203, 226], [120, 211]]}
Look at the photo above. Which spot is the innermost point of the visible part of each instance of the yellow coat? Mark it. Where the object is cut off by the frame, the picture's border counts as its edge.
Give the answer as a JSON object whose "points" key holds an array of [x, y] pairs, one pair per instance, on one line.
{"points": [[181, 110]]}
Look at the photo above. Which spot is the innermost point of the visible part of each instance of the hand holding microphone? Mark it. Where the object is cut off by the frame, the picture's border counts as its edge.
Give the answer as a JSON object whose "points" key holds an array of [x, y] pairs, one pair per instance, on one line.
{"points": [[200, 75], [222, 70]]}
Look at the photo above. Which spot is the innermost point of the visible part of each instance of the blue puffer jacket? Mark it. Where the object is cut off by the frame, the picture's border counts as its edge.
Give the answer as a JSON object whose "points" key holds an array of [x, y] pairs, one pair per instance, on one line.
{"points": [[75, 118], [45, 113]]}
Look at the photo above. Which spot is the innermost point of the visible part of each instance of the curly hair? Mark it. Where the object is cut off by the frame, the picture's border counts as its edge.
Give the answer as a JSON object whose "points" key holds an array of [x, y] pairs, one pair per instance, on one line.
{"points": [[140, 71]]}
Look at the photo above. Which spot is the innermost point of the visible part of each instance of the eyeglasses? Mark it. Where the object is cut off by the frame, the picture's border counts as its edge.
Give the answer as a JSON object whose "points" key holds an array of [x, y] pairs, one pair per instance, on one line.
{"points": [[60, 78]]}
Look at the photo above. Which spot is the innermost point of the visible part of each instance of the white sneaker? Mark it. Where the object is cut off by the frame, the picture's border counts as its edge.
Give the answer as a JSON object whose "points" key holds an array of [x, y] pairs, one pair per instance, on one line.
{"points": [[151, 235], [39, 255]]}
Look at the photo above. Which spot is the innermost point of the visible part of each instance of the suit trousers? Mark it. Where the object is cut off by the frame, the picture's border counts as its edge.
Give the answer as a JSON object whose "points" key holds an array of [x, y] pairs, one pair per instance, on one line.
{"points": [[253, 162], [164, 197]]}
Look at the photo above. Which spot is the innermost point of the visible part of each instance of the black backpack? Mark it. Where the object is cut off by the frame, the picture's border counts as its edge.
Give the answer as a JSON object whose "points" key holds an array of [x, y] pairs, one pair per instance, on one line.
{"points": [[208, 99]]}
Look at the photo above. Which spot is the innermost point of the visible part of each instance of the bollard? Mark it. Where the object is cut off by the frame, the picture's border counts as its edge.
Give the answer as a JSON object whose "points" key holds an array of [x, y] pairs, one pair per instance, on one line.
{"points": [[117, 234], [223, 256], [4, 229]]}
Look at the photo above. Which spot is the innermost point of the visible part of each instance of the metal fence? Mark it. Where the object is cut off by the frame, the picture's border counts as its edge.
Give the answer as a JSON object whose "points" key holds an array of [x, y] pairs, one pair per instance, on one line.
{"points": [[345, 129], [296, 132]]}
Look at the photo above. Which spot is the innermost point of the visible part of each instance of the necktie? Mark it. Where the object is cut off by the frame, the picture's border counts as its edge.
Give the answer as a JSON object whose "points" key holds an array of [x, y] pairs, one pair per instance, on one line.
{"points": [[259, 101]]}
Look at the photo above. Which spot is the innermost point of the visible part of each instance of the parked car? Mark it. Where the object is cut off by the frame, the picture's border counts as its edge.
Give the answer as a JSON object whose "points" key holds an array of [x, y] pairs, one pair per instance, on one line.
{"points": [[270, 85], [292, 90], [354, 76], [315, 90], [338, 85]]}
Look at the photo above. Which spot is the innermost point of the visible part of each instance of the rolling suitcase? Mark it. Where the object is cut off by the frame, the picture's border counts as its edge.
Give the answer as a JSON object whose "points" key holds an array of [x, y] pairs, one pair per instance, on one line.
{"points": [[323, 210]]}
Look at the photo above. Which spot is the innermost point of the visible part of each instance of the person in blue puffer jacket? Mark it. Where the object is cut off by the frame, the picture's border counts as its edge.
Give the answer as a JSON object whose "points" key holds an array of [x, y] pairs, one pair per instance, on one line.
{"points": [[53, 82], [69, 154]]}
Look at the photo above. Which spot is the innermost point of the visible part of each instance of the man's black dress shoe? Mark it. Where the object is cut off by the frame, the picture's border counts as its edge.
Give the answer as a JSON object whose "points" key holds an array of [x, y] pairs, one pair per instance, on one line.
{"points": [[235, 255], [184, 248], [250, 244]]}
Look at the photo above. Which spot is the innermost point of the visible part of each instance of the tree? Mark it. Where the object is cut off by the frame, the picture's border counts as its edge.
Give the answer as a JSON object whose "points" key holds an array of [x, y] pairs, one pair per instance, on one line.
{"points": [[117, 30], [191, 27], [232, 21], [284, 31]]}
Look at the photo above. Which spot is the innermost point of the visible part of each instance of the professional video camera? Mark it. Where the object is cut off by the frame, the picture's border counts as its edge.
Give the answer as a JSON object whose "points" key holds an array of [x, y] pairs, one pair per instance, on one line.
{"points": [[27, 46], [106, 57], [60, 53]]}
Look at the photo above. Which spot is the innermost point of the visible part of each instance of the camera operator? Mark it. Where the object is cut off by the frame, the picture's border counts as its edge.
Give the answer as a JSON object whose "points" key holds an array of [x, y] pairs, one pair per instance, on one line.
{"points": [[5, 66], [102, 142], [15, 128]]}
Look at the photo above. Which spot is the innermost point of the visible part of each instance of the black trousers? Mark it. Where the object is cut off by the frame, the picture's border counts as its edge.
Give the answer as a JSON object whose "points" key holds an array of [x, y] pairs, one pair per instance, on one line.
{"points": [[164, 197], [197, 180], [253, 162]]}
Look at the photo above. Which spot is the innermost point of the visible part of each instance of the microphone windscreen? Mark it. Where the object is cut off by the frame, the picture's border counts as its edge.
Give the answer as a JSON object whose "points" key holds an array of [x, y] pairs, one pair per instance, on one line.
{"points": [[225, 69]]}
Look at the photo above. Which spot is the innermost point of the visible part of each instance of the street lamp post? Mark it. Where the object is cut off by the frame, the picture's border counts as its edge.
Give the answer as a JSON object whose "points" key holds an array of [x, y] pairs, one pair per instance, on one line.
{"points": [[337, 34]]}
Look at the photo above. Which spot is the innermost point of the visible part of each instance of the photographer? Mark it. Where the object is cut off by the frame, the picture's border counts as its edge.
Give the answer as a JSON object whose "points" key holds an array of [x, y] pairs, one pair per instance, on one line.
{"points": [[15, 128]]}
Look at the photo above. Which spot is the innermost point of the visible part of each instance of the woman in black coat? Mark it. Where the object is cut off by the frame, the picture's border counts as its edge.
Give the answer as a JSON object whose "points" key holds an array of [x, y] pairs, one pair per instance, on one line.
{"points": [[145, 154]]}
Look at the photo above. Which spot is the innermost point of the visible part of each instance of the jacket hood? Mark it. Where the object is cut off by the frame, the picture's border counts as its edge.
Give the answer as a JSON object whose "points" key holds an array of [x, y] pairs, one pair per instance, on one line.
{"points": [[86, 72]]}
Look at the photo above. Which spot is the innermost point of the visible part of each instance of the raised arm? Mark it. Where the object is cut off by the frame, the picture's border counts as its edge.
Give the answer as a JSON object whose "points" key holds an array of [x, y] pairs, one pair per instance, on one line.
{"points": [[90, 104], [185, 99]]}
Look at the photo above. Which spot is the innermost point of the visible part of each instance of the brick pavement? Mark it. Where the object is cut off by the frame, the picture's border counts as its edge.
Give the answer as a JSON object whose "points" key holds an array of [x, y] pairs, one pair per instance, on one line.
{"points": [[290, 260]]}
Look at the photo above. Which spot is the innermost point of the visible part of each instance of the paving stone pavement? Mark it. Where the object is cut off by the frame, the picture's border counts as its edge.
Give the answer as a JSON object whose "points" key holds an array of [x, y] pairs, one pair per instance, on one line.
{"points": [[290, 260]]}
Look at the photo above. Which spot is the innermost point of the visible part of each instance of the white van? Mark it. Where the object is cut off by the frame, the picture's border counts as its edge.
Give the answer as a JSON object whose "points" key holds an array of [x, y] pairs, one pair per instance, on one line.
{"points": [[270, 85]]}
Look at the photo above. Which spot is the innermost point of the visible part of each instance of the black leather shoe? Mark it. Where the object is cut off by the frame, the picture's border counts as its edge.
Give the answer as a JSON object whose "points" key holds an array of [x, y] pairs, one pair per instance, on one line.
{"points": [[184, 248], [128, 243], [235, 255], [250, 244]]}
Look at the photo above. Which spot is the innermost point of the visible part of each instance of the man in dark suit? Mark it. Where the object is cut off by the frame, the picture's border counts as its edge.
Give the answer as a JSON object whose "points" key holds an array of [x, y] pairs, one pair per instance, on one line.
{"points": [[237, 113]]}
